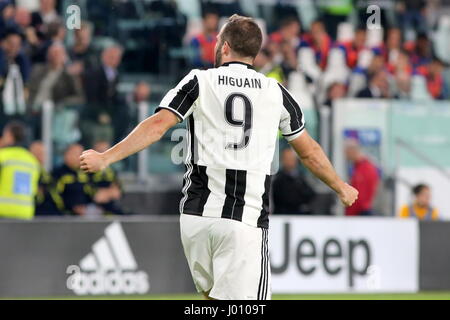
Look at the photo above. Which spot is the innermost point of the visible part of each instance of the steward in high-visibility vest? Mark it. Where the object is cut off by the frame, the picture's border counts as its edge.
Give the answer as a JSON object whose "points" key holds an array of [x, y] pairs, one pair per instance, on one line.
{"points": [[421, 213], [108, 181], [19, 175], [72, 184], [421, 207], [48, 201]]}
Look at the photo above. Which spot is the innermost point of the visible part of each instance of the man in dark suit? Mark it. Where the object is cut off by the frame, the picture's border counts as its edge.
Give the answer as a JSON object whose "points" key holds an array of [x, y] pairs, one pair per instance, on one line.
{"points": [[105, 116], [291, 193], [378, 87]]}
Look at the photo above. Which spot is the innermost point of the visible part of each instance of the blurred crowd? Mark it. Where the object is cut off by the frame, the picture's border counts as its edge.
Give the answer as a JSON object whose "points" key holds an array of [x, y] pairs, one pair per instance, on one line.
{"points": [[400, 57], [340, 53], [37, 65], [27, 189]]}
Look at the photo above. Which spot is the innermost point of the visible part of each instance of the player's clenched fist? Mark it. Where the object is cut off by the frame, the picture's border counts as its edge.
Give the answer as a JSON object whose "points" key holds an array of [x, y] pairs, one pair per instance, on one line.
{"points": [[348, 195], [92, 161]]}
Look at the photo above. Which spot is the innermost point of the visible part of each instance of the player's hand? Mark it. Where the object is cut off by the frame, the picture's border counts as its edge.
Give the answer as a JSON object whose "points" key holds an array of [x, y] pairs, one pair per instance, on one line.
{"points": [[92, 161], [348, 195]]}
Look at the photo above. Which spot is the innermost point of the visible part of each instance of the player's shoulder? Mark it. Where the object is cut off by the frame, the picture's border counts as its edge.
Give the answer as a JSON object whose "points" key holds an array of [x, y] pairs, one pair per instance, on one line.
{"points": [[200, 74], [194, 72]]}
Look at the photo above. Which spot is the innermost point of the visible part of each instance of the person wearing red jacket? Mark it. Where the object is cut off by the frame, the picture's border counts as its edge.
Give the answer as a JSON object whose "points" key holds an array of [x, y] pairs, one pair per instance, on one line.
{"points": [[204, 43], [364, 178]]}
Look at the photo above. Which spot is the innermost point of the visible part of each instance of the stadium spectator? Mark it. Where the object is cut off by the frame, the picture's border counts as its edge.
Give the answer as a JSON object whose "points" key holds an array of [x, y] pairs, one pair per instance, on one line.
{"points": [[292, 194], [141, 93], [352, 48], [378, 86], [22, 18], [48, 201], [105, 116], [265, 64], [289, 32], [364, 178], [55, 34], [14, 72], [335, 91], [360, 78], [392, 46], [19, 174], [107, 186], [420, 51], [376, 64], [53, 81], [6, 15], [73, 185], [320, 43], [204, 43], [436, 84], [284, 42], [289, 56], [421, 207], [402, 72], [82, 51]]}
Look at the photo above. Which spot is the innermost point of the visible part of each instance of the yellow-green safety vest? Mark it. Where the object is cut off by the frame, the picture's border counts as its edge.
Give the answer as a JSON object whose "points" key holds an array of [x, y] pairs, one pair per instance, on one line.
{"points": [[19, 176]]}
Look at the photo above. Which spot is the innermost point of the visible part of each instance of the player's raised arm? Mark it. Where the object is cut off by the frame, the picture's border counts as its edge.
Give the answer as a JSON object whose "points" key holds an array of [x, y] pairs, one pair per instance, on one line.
{"points": [[292, 126], [146, 133], [313, 158]]}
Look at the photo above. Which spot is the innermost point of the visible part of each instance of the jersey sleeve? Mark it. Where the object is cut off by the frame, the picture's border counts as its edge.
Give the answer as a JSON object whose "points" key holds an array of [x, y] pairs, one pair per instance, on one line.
{"points": [[292, 121], [182, 98]]}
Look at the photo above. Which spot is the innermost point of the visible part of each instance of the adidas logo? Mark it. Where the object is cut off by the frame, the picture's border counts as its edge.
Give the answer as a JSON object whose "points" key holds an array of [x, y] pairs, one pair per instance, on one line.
{"points": [[109, 269]]}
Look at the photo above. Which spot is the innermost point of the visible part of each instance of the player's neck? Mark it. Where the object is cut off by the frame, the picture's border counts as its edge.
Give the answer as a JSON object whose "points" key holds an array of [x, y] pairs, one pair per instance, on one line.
{"points": [[237, 59]]}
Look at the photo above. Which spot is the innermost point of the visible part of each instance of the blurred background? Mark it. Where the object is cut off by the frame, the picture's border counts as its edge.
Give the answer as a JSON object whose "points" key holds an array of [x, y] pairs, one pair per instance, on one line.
{"points": [[372, 77], [378, 94]]}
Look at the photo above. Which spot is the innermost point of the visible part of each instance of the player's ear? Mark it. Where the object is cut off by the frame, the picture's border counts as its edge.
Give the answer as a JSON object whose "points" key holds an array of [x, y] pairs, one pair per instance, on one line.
{"points": [[226, 49]]}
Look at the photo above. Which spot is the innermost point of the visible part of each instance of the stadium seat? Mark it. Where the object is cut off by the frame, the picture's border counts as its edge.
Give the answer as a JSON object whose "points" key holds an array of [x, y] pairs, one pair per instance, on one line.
{"points": [[263, 25], [190, 8], [336, 71], [345, 32], [365, 58], [442, 39], [300, 90], [65, 130], [307, 63], [374, 37], [419, 89]]}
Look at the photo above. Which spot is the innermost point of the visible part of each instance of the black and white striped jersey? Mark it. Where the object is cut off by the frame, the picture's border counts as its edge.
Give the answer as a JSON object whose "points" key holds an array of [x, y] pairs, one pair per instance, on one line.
{"points": [[233, 116]]}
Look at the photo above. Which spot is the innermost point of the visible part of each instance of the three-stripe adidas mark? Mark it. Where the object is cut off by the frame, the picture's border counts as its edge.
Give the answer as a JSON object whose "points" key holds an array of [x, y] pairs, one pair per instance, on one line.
{"points": [[109, 269]]}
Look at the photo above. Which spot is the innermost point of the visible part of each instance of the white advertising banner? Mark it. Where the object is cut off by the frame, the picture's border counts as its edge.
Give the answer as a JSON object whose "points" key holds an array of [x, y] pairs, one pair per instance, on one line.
{"points": [[360, 254]]}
